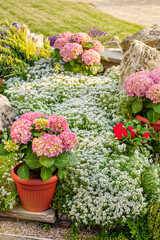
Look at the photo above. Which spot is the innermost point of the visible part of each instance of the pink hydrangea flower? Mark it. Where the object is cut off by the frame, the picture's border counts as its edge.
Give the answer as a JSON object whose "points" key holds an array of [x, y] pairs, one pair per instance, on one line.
{"points": [[66, 35], [138, 83], [20, 131], [97, 46], [32, 115], [81, 38], [47, 145], [91, 57], [71, 51], [60, 43], [153, 93], [155, 75], [57, 123], [69, 140]]}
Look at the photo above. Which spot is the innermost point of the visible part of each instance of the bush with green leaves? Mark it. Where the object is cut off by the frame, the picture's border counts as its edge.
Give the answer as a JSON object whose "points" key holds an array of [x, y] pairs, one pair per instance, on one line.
{"points": [[16, 53], [78, 53], [144, 90], [45, 144], [107, 186]]}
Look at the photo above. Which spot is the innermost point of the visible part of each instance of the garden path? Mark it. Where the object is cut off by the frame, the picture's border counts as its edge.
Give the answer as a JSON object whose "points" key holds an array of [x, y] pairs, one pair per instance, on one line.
{"points": [[144, 12]]}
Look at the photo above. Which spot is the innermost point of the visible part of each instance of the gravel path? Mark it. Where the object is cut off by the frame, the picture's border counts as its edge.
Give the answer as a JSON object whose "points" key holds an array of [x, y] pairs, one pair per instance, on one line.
{"points": [[34, 229]]}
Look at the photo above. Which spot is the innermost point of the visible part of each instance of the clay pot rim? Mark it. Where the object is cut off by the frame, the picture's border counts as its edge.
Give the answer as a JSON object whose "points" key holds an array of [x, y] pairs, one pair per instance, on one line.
{"points": [[37, 182], [145, 120]]}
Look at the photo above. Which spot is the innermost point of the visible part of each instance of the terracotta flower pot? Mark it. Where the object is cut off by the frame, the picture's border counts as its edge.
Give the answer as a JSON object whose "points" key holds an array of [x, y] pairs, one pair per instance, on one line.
{"points": [[35, 195], [144, 120]]}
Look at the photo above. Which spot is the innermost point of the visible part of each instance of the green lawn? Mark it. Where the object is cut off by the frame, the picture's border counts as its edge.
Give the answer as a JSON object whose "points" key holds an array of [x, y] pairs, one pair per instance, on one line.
{"points": [[50, 17]]}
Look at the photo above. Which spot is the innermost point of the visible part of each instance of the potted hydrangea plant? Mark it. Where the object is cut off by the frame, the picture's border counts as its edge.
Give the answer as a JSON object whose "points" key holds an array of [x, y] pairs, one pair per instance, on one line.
{"points": [[44, 144], [78, 52], [144, 90]]}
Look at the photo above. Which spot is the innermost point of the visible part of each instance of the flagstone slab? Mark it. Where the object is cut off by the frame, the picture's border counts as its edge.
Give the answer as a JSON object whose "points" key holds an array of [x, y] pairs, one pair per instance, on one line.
{"points": [[47, 216]]}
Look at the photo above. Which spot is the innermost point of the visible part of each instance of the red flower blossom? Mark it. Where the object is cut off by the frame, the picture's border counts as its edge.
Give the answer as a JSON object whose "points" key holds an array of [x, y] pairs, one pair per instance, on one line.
{"points": [[119, 125], [119, 130], [118, 135], [1, 80], [130, 128], [146, 135], [133, 135]]}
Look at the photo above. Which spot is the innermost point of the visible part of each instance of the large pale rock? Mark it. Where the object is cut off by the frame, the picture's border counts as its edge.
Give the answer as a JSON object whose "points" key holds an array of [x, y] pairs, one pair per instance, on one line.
{"points": [[139, 57], [8, 114], [37, 39], [150, 36]]}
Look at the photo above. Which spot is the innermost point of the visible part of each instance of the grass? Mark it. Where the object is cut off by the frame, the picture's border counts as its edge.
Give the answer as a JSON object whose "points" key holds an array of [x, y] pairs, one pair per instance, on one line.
{"points": [[50, 17]]}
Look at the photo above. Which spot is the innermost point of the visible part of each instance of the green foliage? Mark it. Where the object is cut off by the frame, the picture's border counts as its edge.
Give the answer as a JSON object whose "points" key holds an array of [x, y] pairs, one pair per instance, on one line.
{"points": [[65, 159], [16, 52], [23, 171], [61, 172], [46, 173], [46, 162], [31, 159], [146, 227], [145, 107], [154, 221]]}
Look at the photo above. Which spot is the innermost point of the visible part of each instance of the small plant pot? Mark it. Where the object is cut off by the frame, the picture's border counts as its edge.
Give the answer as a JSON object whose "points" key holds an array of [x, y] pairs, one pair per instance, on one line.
{"points": [[156, 125], [35, 195]]}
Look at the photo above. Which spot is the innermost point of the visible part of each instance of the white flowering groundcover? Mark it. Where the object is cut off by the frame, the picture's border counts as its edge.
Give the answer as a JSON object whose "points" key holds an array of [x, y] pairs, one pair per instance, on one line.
{"points": [[106, 186]]}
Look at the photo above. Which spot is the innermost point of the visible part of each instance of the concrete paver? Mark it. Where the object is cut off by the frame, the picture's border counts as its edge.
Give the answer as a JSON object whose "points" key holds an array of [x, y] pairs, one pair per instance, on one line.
{"points": [[144, 12]]}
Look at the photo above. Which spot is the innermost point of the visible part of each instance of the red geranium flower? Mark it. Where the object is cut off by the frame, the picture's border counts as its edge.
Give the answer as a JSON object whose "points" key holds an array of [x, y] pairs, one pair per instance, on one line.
{"points": [[118, 135], [119, 125], [146, 135], [130, 128], [1, 80], [133, 135]]}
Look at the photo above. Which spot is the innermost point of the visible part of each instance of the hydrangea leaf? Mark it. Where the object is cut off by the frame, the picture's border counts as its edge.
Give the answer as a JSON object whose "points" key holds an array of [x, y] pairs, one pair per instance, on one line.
{"points": [[46, 161], [23, 172], [46, 173], [93, 70], [152, 116], [31, 159], [88, 45], [137, 106], [61, 160], [61, 173], [156, 107], [65, 159], [100, 67], [53, 168]]}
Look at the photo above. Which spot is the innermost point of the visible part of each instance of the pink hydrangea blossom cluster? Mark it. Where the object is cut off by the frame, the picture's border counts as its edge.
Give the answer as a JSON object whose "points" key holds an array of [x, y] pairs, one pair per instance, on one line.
{"points": [[72, 46], [47, 145], [52, 142], [62, 39], [32, 115], [21, 131], [138, 83], [67, 35], [69, 140], [91, 57], [144, 84], [97, 46], [153, 93], [155, 75], [81, 38], [57, 123], [71, 51]]}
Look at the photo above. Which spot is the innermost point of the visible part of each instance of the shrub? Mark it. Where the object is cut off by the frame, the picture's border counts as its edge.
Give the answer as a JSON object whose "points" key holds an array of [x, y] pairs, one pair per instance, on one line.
{"points": [[105, 187], [16, 53]]}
